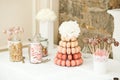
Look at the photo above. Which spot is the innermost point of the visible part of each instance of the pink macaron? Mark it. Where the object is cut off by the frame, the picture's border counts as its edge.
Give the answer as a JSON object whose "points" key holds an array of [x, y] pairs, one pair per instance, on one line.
{"points": [[59, 49], [63, 62], [68, 44], [68, 63], [59, 62], [73, 50], [59, 55], [64, 57], [69, 56], [64, 50], [81, 60], [78, 62], [73, 63], [68, 50], [76, 56], [63, 44], [77, 49]]}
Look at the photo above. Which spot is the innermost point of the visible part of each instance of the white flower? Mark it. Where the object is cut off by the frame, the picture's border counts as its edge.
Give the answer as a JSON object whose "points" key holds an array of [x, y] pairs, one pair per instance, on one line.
{"points": [[69, 29], [46, 15]]}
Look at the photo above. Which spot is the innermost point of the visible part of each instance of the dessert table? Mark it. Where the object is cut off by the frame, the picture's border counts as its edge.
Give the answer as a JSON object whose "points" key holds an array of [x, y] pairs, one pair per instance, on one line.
{"points": [[50, 71]]}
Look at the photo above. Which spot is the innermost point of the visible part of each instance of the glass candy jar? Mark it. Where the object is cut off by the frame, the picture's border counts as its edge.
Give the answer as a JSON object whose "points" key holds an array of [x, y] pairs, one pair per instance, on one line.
{"points": [[15, 49], [37, 49], [35, 52]]}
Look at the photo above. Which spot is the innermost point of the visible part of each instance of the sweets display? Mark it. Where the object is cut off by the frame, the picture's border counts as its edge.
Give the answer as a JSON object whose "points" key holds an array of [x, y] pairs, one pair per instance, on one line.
{"points": [[68, 51], [68, 54]]}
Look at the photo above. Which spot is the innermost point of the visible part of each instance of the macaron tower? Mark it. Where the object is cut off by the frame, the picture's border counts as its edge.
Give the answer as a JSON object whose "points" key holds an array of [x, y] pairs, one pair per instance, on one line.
{"points": [[68, 53]]}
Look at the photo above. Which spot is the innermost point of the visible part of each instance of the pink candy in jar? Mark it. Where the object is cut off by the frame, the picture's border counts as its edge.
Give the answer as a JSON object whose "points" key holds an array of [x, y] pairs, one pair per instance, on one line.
{"points": [[35, 53]]}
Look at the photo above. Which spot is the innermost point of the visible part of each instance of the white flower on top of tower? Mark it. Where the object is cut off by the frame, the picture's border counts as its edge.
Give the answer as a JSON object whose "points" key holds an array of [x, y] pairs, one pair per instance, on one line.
{"points": [[69, 29]]}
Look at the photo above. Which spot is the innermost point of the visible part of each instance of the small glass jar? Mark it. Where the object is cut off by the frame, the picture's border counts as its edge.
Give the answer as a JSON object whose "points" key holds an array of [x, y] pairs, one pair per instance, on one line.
{"points": [[37, 49], [35, 52], [15, 49]]}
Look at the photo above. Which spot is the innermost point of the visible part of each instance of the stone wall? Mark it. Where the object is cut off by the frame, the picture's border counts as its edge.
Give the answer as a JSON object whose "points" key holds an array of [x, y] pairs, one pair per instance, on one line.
{"points": [[91, 15]]}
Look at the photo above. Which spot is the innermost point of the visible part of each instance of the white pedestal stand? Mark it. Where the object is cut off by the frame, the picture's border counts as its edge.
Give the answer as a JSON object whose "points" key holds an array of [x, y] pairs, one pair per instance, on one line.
{"points": [[116, 34]]}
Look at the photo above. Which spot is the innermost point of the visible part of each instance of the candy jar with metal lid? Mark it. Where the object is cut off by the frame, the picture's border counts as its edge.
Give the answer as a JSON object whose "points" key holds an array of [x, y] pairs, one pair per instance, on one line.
{"points": [[35, 50]]}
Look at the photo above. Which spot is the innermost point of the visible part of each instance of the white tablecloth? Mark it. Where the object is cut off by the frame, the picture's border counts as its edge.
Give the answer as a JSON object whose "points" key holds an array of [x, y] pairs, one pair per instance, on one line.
{"points": [[50, 71]]}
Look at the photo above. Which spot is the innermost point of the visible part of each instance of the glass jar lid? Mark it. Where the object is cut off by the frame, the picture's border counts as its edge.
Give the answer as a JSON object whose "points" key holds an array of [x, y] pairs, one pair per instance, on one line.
{"points": [[37, 38]]}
